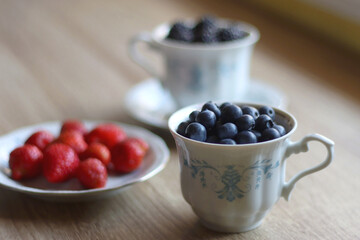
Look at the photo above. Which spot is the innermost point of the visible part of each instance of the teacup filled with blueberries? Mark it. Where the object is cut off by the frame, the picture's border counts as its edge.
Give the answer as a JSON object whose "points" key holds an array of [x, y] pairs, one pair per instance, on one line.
{"points": [[231, 124], [233, 161], [206, 58]]}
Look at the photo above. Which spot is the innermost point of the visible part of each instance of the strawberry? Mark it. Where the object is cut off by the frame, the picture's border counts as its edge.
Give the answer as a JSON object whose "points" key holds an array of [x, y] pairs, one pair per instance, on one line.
{"points": [[74, 139], [25, 162], [60, 162], [97, 150], [144, 145], [108, 134], [127, 156], [40, 139], [73, 125], [92, 173]]}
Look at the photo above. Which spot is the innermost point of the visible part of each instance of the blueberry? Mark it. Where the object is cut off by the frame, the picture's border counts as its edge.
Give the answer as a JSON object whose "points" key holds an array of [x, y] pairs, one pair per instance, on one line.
{"points": [[257, 134], [269, 134], [280, 129], [268, 111], [228, 130], [212, 107], [231, 33], [251, 111], [207, 118], [230, 113], [245, 122], [212, 139], [181, 32], [205, 30], [182, 127], [263, 122], [205, 23], [245, 137], [227, 141], [225, 104], [193, 115], [196, 131]]}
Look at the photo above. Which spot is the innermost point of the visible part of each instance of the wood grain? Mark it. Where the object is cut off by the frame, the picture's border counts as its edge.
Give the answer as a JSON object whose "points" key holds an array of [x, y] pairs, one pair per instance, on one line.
{"points": [[68, 59]]}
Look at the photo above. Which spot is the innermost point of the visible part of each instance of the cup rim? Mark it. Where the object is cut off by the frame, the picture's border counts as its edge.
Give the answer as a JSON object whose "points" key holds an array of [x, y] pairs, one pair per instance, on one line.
{"points": [[159, 34], [198, 106]]}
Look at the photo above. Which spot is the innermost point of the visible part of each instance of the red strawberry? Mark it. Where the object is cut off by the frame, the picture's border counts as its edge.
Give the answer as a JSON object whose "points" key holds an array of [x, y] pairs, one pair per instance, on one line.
{"points": [[60, 162], [99, 151], [144, 145], [108, 134], [92, 173], [25, 162], [74, 139], [127, 156], [40, 139], [73, 125]]}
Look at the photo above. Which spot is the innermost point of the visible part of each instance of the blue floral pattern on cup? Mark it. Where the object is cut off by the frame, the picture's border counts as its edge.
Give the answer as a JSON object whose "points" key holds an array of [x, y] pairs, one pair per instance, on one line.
{"points": [[234, 179]]}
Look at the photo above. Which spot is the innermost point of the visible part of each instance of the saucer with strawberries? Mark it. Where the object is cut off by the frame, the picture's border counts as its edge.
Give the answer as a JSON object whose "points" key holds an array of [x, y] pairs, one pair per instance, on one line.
{"points": [[79, 160]]}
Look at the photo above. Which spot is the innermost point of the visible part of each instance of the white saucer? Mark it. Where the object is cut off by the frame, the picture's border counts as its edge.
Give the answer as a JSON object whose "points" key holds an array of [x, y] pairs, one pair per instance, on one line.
{"points": [[149, 103], [71, 190]]}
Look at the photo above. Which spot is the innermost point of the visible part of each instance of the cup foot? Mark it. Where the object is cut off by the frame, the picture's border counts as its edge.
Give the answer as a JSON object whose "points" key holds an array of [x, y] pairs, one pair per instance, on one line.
{"points": [[229, 229]]}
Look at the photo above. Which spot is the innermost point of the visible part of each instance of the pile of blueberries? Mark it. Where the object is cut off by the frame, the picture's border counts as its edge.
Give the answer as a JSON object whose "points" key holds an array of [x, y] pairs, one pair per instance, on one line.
{"points": [[231, 124], [206, 30]]}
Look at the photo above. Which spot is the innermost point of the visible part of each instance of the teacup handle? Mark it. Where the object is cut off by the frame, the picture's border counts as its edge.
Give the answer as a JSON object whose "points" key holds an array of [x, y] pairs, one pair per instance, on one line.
{"points": [[138, 58], [302, 146]]}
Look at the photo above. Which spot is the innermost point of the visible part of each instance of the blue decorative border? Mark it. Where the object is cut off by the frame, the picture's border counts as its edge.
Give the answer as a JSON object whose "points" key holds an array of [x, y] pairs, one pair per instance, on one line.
{"points": [[232, 177]]}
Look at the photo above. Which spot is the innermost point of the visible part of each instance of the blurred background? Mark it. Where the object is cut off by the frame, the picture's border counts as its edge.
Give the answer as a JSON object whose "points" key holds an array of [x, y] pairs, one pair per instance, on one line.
{"points": [[339, 21], [51, 43]]}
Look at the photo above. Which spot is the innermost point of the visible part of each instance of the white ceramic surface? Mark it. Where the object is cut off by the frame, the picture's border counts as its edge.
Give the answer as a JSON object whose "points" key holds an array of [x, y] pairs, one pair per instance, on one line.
{"points": [[195, 72], [149, 103], [154, 161], [231, 188]]}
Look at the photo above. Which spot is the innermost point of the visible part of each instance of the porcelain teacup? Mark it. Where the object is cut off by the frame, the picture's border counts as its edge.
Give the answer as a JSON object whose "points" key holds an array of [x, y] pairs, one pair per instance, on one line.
{"points": [[196, 72], [231, 188]]}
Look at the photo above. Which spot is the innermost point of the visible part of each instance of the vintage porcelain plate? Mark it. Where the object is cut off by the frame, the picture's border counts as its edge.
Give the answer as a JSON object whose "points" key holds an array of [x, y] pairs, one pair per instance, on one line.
{"points": [[149, 103], [71, 190]]}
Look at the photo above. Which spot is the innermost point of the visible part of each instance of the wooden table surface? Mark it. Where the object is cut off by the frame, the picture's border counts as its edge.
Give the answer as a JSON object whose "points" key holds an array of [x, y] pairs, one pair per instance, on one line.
{"points": [[68, 59]]}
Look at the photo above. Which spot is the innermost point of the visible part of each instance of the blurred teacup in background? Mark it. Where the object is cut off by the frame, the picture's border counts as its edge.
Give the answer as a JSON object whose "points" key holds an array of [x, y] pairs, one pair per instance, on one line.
{"points": [[211, 60]]}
